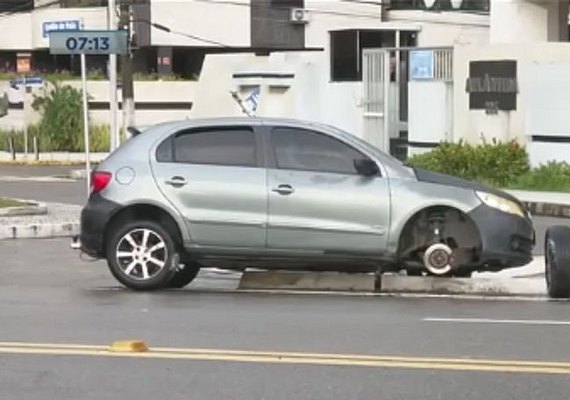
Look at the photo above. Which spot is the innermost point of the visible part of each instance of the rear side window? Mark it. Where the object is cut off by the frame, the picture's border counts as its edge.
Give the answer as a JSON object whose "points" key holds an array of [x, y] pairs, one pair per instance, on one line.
{"points": [[224, 146], [300, 149]]}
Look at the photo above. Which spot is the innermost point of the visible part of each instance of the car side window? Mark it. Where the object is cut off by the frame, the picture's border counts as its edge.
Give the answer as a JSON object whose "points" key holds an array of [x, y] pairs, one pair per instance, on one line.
{"points": [[301, 149], [218, 146]]}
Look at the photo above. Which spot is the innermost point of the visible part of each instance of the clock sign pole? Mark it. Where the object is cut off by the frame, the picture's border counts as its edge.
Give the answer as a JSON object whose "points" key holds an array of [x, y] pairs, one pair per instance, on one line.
{"points": [[82, 42]]}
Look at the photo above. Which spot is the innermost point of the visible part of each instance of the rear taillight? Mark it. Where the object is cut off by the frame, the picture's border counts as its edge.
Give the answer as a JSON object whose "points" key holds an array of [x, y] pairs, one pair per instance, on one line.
{"points": [[100, 180]]}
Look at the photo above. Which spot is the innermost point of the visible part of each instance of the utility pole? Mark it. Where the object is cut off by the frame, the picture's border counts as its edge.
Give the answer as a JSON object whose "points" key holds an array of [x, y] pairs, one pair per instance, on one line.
{"points": [[127, 69], [113, 101]]}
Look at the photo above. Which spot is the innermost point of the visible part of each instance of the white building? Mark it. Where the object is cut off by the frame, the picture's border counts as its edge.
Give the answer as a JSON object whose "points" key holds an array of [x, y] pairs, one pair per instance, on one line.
{"points": [[307, 59]]}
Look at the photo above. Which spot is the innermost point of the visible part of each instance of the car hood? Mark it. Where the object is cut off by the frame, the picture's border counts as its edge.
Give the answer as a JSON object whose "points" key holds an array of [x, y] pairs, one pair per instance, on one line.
{"points": [[424, 175]]}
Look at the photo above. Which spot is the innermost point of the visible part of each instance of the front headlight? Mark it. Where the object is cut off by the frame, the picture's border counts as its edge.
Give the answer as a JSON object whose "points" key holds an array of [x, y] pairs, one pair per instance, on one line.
{"points": [[500, 203]]}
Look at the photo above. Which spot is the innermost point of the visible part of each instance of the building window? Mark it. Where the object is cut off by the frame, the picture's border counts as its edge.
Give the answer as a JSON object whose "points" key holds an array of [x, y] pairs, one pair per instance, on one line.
{"points": [[346, 48], [441, 5], [82, 3], [15, 6]]}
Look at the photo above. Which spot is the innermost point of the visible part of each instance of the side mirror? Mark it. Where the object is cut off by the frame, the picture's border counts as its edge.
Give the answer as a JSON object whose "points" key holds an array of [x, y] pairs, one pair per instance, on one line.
{"points": [[366, 167]]}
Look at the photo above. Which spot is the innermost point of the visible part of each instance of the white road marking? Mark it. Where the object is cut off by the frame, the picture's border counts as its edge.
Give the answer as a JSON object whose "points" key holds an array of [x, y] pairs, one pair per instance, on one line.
{"points": [[497, 321]]}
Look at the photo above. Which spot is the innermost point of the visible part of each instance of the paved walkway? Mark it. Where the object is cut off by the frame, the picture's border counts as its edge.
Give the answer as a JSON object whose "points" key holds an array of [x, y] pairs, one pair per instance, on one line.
{"points": [[61, 220], [541, 197]]}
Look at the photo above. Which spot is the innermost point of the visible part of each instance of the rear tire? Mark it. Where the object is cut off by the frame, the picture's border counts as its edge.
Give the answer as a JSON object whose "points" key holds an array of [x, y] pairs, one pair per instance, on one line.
{"points": [[557, 257], [142, 255], [184, 276]]}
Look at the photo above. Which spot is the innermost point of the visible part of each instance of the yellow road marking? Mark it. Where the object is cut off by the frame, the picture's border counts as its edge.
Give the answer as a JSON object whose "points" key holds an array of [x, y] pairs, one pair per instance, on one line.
{"points": [[269, 357]]}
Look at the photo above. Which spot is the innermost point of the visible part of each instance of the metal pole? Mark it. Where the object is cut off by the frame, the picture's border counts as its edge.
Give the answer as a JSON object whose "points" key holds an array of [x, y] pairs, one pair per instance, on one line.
{"points": [[114, 133], [127, 69], [25, 98], [386, 138], [86, 122]]}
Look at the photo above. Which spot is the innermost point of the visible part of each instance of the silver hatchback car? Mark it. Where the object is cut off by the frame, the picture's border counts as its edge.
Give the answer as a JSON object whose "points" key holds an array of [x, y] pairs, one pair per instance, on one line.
{"points": [[287, 194]]}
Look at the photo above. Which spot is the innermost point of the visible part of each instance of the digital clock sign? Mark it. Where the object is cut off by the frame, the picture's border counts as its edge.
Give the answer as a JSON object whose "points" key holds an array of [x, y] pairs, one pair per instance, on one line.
{"points": [[88, 42]]}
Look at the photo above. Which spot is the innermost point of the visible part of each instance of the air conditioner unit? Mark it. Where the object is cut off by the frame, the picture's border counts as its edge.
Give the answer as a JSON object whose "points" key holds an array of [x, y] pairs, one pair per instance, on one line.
{"points": [[299, 16]]}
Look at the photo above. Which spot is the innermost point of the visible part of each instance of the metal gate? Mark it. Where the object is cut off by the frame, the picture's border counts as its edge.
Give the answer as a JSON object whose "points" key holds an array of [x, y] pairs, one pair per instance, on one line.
{"points": [[385, 74], [375, 75]]}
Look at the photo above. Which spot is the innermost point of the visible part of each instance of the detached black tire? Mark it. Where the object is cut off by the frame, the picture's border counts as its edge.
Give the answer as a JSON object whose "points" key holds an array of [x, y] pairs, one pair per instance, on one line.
{"points": [[184, 276], [142, 255], [557, 257]]}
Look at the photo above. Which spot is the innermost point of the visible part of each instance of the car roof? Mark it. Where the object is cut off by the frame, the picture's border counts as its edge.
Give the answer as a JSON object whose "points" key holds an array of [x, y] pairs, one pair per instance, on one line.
{"points": [[229, 121]]}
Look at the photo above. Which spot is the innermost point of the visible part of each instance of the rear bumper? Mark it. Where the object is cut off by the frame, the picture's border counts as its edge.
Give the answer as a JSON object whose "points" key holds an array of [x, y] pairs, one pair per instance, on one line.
{"points": [[507, 240], [94, 219]]}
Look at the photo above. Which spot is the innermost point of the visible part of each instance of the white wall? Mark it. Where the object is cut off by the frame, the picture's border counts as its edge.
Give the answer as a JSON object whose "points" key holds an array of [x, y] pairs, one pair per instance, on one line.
{"points": [[518, 125], [336, 15], [517, 21], [309, 95], [23, 31], [91, 18], [547, 99], [430, 104], [214, 20], [444, 28], [99, 92], [15, 32]]}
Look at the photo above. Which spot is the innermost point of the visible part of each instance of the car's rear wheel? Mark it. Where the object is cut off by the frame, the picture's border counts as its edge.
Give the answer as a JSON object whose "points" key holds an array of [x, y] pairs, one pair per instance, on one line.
{"points": [[142, 255], [184, 276], [557, 257]]}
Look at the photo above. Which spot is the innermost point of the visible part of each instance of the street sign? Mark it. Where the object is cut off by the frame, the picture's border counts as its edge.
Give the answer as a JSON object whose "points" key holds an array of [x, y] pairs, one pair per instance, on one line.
{"points": [[88, 42], [83, 43], [421, 64], [27, 81], [52, 26]]}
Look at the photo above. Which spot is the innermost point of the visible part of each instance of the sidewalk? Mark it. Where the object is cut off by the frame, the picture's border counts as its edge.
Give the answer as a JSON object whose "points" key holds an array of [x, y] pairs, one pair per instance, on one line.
{"points": [[545, 204], [58, 157], [61, 220]]}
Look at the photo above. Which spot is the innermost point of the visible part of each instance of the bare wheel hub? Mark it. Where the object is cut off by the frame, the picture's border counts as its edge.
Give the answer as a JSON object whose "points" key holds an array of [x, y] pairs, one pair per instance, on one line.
{"points": [[438, 259]]}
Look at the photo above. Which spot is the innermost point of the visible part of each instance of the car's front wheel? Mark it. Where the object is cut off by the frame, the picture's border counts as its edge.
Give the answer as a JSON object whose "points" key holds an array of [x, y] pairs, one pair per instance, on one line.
{"points": [[142, 255], [557, 257]]}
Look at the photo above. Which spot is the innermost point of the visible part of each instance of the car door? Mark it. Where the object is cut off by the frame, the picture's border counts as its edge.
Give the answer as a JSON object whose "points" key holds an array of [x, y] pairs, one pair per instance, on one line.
{"points": [[318, 201], [214, 178]]}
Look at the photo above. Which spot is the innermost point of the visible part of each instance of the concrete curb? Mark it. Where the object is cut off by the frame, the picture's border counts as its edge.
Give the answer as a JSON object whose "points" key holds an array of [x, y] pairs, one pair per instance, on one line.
{"points": [[32, 208], [287, 280], [473, 286], [548, 209], [37, 231], [390, 284]]}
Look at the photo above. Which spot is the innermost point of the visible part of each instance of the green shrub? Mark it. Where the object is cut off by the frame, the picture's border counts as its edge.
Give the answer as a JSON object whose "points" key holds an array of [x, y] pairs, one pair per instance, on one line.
{"points": [[554, 176], [18, 139], [99, 140], [61, 124], [497, 164]]}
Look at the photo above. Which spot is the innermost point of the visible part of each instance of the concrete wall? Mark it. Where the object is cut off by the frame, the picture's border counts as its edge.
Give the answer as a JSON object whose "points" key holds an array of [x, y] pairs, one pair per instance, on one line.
{"points": [[309, 95], [15, 32], [444, 28], [431, 114], [514, 125], [224, 22], [145, 92], [336, 15], [24, 31], [529, 21]]}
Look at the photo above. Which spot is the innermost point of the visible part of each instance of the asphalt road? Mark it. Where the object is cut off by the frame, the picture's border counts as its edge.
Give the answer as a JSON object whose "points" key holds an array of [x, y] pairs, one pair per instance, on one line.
{"points": [[284, 346]]}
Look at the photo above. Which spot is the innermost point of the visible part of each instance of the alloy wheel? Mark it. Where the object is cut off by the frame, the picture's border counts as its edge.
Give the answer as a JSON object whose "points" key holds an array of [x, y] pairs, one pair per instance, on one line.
{"points": [[141, 254]]}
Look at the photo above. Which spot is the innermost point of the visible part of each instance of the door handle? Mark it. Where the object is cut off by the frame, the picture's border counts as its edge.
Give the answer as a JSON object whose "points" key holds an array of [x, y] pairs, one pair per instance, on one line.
{"points": [[284, 190], [176, 181]]}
